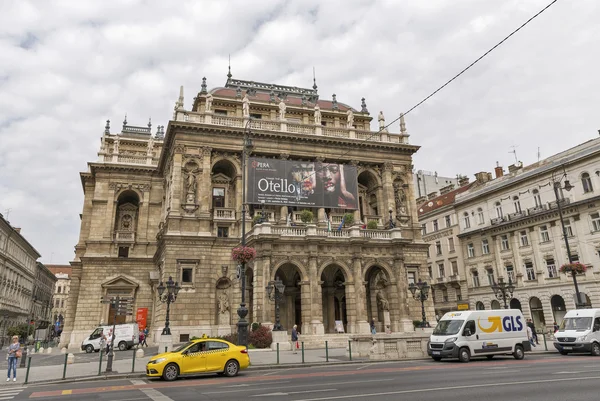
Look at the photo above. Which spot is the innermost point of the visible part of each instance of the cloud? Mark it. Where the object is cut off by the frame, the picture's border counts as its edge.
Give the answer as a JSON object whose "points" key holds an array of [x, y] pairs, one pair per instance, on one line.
{"points": [[67, 66]]}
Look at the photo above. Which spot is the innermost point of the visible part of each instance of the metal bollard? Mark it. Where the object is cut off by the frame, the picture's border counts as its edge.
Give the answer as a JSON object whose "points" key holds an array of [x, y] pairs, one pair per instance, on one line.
{"points": [[166, 348], [65, 367], [326, 351], [28, 366], [545, 344], [277, 353], [302, 351], [100, 364], [133, 362], [350, 349]]}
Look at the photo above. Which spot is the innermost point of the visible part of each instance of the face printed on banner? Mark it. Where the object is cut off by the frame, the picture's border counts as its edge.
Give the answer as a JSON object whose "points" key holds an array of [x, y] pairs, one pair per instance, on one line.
{"points": [[304, 174], [330, 176]]}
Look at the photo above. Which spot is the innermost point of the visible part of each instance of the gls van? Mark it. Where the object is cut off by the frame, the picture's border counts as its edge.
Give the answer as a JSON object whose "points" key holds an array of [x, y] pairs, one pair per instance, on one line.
{"points": [[486, 333], [579, 332], [127, 335]]}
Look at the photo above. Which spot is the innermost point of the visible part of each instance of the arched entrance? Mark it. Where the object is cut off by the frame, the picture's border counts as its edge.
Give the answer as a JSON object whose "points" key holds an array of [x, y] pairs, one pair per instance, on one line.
{"points": [[585, 299], [496, 304], [479, 306], [537, 312], [291, 308], [334, 298], [558, 308], [516, 304], [378, 293]]}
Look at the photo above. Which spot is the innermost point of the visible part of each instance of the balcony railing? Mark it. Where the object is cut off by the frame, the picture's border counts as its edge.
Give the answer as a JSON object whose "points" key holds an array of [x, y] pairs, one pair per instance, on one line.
{"points": [[375, 218], [563, 202], [497, 220], [124, 236], [516, 215], [224, 214], [314, 231], [537, 209]]}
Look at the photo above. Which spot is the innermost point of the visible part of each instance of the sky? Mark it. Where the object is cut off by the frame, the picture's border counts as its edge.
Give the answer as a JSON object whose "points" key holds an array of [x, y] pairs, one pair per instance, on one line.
{"points": [[68, 66]]}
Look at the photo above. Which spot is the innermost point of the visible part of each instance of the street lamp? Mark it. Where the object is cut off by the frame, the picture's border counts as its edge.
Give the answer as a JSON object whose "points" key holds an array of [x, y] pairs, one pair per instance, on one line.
{"points": [[392, 225], [242, 324], [172, 288], [503, 291], [422, 296], [556, 184], [275, 291]]}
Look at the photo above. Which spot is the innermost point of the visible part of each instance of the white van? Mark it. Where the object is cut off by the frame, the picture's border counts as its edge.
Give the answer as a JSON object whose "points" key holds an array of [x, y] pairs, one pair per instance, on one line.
{"points": [[127, 335], [579, 332], [479, 333]]}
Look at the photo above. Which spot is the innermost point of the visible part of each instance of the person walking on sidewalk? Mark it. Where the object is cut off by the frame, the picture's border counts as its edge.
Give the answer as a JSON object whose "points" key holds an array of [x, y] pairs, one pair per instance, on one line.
{"points": [[14, 353], [532, 326], [295, 345], [373, 330], [145, 331], [530, 335]]}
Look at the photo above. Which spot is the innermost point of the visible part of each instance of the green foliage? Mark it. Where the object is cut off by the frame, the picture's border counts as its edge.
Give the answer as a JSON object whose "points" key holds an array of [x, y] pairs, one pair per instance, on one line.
{"points": [[20, 330], [417, 323], [232, 338], [255, 326], [372, 225], [348, 219], [257, 219], [306, 216]]}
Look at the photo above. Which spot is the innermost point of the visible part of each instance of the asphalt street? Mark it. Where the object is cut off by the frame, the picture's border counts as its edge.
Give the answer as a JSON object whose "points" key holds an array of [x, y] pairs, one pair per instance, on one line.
{"points": [[538, 377]]}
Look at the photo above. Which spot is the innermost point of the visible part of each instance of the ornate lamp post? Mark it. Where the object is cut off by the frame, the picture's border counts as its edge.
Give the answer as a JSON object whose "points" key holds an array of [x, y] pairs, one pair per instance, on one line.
{"points": [[275, 291], [556, 184], [172, 289], [242, 324], [421, 295], [392, 225], [503, 291]]}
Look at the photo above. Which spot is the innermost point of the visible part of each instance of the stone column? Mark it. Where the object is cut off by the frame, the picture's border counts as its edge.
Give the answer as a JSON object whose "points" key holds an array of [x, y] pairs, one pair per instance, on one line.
{"points": [[143, 215], [321, 218], [177, 183], [109, 224], [306, 309], [331, 308], [205, 184], [283, 214], [67, 338], [405, 323], [314, 299], [361, 324], [388, 190]]}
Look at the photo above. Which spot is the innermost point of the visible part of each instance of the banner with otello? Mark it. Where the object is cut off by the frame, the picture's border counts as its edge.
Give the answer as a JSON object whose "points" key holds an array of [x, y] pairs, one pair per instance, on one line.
{"points": [[302, 183]]}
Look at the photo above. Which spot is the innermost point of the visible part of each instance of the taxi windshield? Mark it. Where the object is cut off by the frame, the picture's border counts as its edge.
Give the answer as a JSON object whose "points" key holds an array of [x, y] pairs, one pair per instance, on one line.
{"points": [[448, 327], [182, 347], [576, 323]]}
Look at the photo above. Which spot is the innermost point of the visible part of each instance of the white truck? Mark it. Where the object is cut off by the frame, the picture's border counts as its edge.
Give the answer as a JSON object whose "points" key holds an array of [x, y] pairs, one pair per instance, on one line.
{"points": [[466, 334], [127, 335], [579, 332]]}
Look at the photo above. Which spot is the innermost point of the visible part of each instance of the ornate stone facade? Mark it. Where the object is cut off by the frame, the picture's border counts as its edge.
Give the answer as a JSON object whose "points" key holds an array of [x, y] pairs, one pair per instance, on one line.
{"points": [[178, 213]]}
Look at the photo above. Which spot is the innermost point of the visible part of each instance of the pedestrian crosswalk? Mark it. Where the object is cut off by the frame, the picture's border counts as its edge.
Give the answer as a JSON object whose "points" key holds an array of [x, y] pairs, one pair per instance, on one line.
{"points": [[9, 393]]}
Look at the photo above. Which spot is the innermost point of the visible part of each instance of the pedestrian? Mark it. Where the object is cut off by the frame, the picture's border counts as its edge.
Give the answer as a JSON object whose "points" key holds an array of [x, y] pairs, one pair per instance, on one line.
{"points": [[102, 343], [530, 335], [555, 327], [14, 353], [373, 331], [146, 332], [142, 338], [532, 326], [108, 341], [295, 344]]}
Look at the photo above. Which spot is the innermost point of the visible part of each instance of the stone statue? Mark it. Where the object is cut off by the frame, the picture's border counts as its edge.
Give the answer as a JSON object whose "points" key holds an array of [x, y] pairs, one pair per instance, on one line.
{"points": [[246, 106], [281, 110], [381, 120], [191, 183], [317, 115], [382, 302], [350, 116], [208, 105], [223, 303], [400, 198]]}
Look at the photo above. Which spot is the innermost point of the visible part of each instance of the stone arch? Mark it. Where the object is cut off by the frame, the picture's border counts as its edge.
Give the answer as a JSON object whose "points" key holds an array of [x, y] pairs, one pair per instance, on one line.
{"points": [[295, 263], [381, 265], [495, 304], [348, 276], [293, 277], [515, 304], [334, 291], [226, 165], [559, 308], [479, 305], [379, 290], [536, 309], [126, 215]]}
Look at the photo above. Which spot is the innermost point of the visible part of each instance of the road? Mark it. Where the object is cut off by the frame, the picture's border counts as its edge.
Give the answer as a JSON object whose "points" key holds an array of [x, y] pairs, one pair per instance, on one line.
{"points": [[538, 377]]}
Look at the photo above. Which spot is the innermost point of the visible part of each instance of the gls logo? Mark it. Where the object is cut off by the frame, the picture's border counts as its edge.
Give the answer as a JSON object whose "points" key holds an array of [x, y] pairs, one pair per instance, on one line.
{"points": [[508, 323]]}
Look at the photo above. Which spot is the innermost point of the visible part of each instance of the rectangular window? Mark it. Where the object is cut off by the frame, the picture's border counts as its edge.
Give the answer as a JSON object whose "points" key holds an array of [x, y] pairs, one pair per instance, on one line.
{"points": [[458, 296], [435, 225], [441, 270], [504, 242], [529, 270], [448, 221], [424, 228], [438, 247], [595, 221], [222, 232], [485, 246], [551, 268], [490, 276], [568, 228], [412, 277], [218, 197], [524, 239], [187, 275], [256, 116], [480, 218], [510, 273], [470, 250], [475, 278], [467, 221], [430, 271], [451, 246], [56, 304], [544, 235], [445, 295], [454, 267], [220, 112], [123, 251]]}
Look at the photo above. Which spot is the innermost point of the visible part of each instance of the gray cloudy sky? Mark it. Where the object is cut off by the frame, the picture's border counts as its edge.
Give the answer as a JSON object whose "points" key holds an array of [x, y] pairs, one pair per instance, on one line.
{"points": [[67, 66]]}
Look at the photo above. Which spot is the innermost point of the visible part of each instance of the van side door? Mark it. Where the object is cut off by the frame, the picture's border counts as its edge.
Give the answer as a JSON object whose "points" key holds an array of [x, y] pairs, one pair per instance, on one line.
{"points": [[596, 329], [470, 334]]}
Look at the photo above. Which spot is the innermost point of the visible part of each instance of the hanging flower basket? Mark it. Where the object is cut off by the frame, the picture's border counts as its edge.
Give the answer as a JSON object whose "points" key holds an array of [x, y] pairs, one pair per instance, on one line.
{"points": [[243, 254], [578, 268]]}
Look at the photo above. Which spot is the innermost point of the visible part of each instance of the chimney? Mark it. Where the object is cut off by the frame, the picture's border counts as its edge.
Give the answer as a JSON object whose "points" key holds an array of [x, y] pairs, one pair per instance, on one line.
{"points": [[17, 229], [432, 195], [498, 170], [512, 168], [446, 189], [462, 181]]}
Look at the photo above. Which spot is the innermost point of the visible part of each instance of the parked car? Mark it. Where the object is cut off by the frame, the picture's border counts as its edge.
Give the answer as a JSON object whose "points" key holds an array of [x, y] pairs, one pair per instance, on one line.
{"points": [[579, 332]]}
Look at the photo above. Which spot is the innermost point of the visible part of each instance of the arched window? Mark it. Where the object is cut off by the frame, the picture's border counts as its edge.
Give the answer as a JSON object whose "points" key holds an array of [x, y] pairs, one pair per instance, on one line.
{"points": [[499, 210], [586, 181], [479, 306], [537, 198], [517, 204]]}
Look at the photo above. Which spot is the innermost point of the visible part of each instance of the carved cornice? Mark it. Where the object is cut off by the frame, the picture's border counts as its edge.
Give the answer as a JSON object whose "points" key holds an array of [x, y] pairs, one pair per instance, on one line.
{"points": [[117, 186]]}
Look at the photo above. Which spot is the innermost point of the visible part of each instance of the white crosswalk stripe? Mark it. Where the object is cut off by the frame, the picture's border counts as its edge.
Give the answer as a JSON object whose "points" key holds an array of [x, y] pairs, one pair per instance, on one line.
{"points": [[10, 392]]}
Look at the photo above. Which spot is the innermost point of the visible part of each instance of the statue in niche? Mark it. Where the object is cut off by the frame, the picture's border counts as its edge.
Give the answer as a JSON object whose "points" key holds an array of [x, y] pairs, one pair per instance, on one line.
{"points": [[208, 105], [400, 198], [281, 110], [350, 116], [246, 106], [191, 182], [224, 309], [382, 302], [317, 115]]}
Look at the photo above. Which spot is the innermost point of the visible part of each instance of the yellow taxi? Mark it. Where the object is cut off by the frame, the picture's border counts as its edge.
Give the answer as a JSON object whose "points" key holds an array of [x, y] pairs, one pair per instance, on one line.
{"points": [[204, 355]]}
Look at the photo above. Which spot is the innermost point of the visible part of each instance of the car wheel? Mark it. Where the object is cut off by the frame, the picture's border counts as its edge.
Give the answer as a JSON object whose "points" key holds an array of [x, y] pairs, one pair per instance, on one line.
{"points": [[170, 372], [563, 352], [122, 346], [595, 349], [519, 353], [89, 348], [489, 357], [437, 358], [232, 367], [464, 355]]}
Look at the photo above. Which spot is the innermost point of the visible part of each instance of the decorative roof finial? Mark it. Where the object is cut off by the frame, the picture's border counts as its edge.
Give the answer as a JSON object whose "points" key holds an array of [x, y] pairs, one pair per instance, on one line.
{"points": [[125, 121], [334, 103], [149, 123], [314, 80], [160, 133], [107, 127], [229, 69], [179, 104], [203, 90], [363, 106], [272, 95], [402, 124]]}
